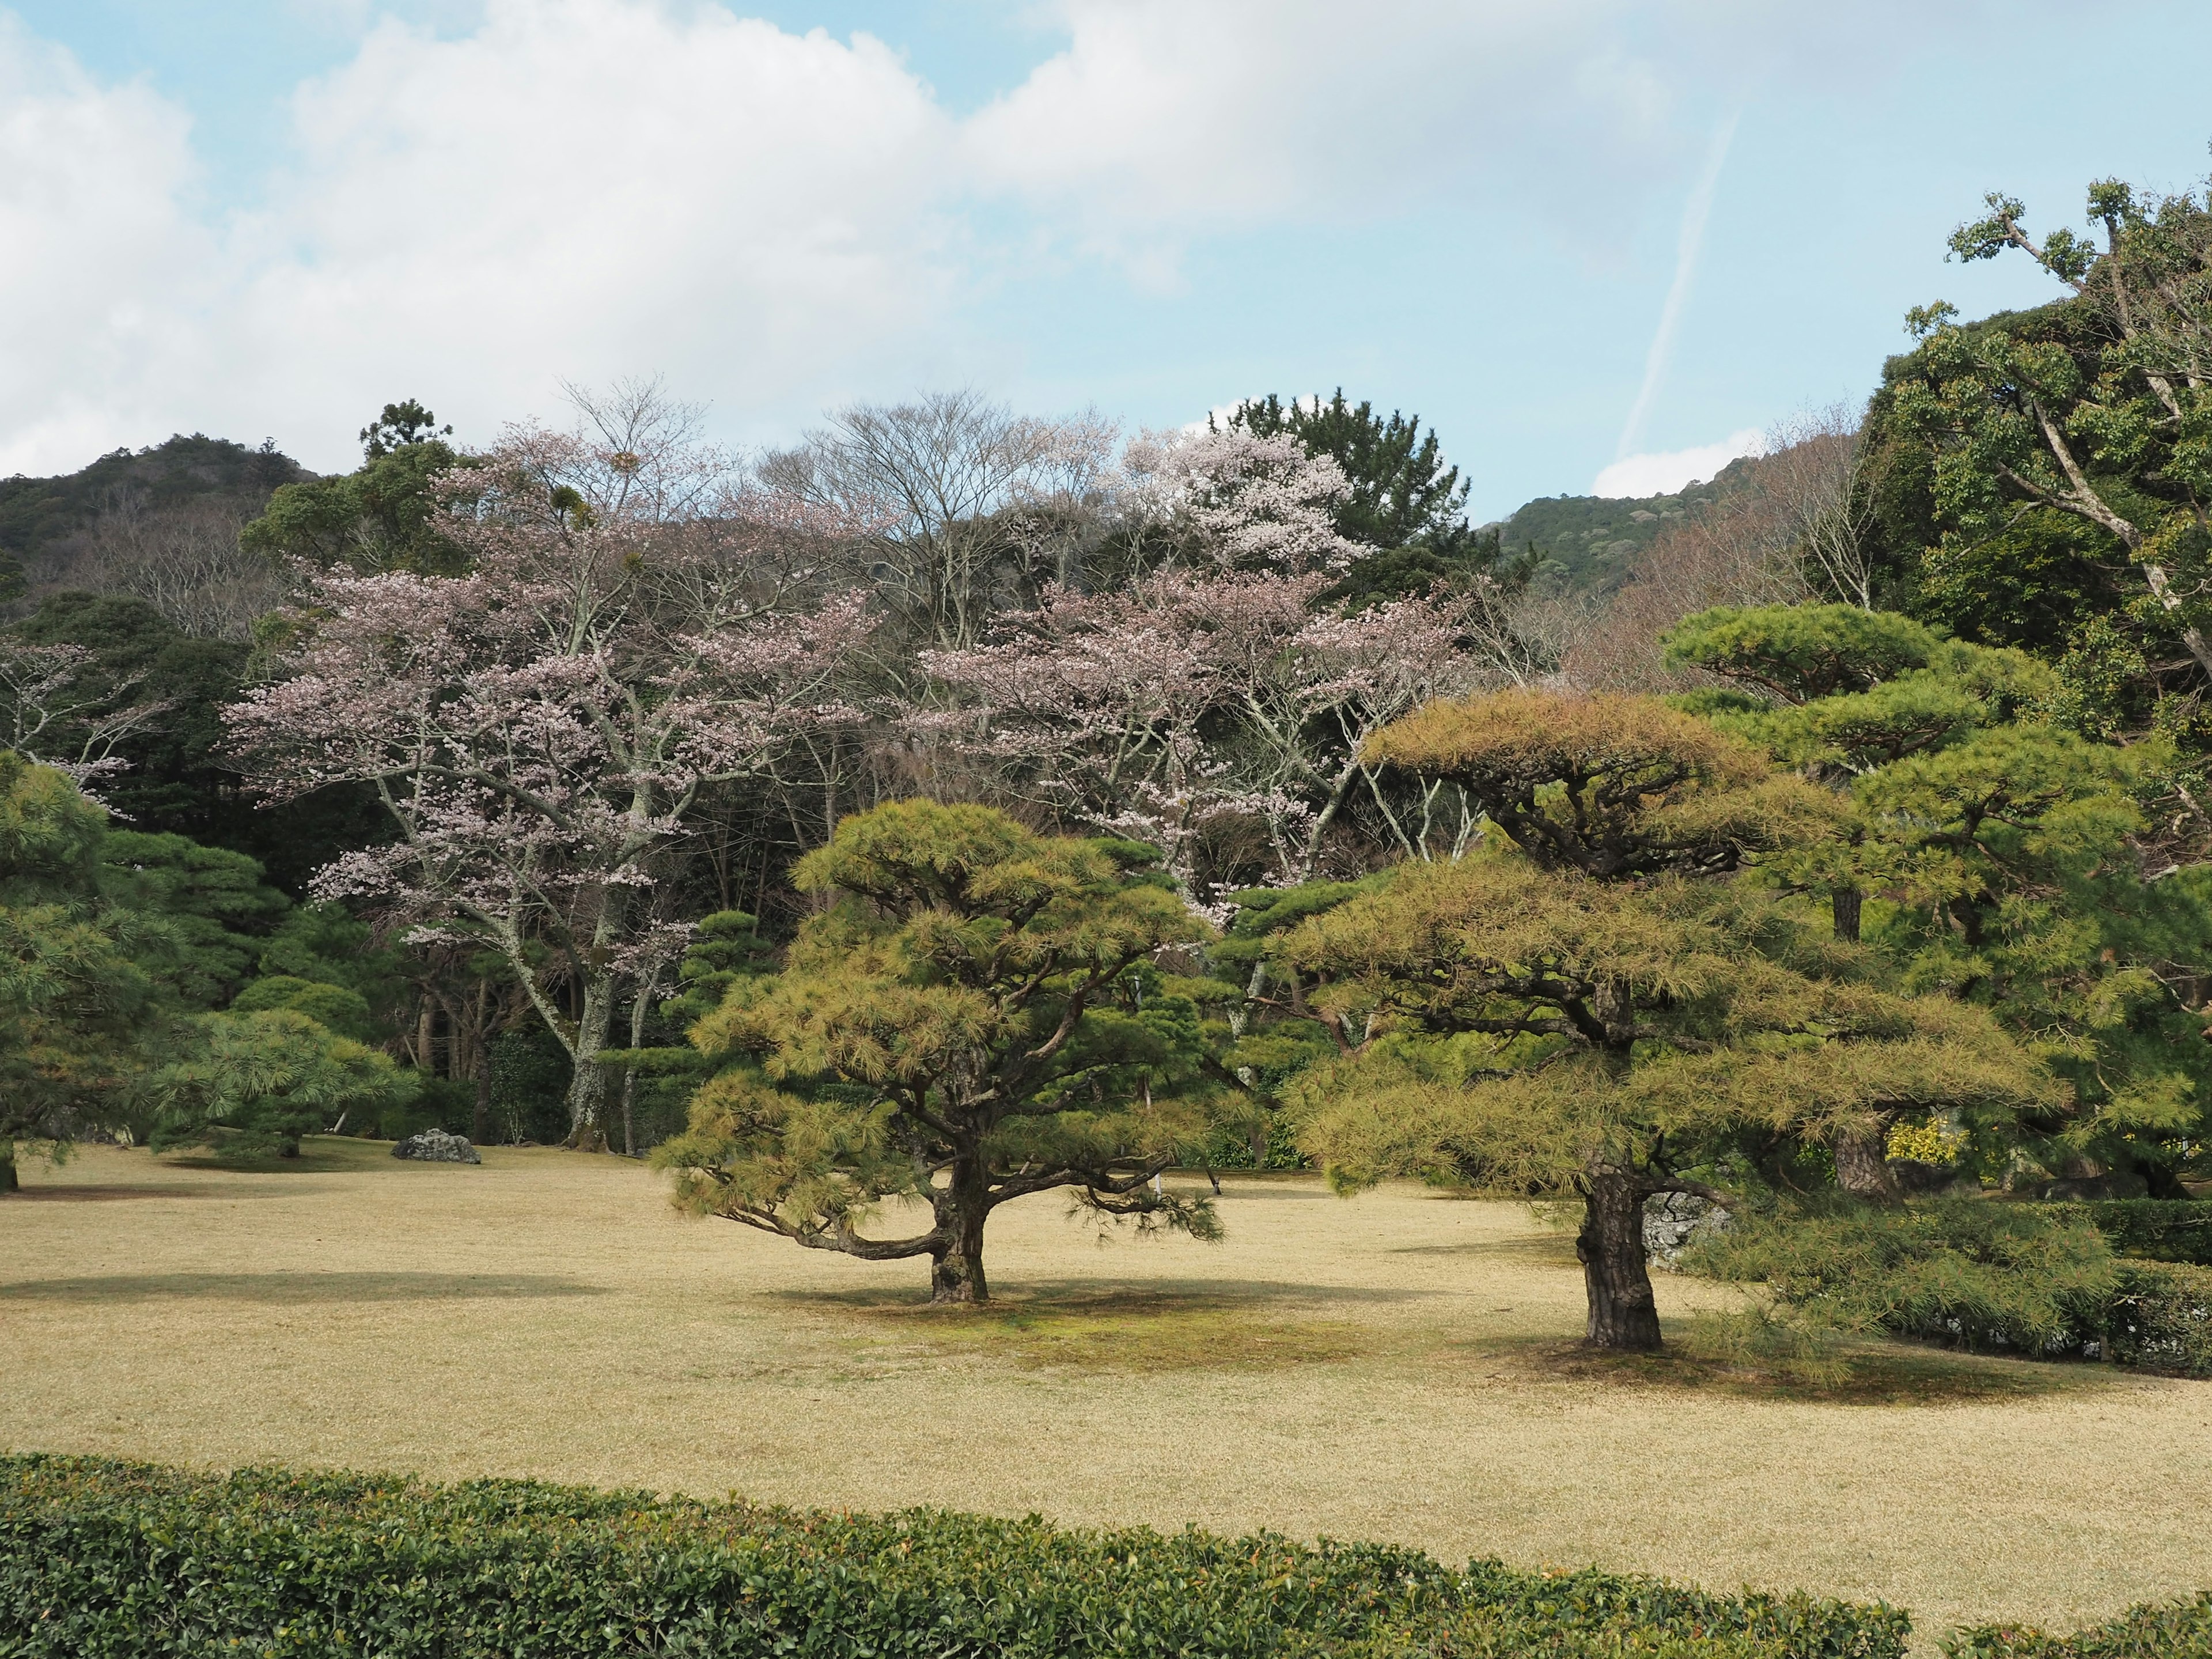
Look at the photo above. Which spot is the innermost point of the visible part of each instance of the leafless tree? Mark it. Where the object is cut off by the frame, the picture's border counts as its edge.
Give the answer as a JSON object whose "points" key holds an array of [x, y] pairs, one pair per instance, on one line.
{"points": [[182, 559], [1815, 468], [47, 715], [958, 498], [1745, 549]]}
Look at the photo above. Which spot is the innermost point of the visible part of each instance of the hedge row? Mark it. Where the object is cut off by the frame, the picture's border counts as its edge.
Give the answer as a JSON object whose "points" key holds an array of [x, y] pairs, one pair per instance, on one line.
{"points": [[101, 1560], [2182, 1628], [2155, 1230], [2159, 1319]]}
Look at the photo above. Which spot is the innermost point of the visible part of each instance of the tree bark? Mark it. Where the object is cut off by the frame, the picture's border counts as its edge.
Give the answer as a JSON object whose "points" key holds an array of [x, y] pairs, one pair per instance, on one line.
{"points": [[956, 1271], [1844, 904], [587, 1087], [1623, 1314], [8, 1182], [480, 1119], [1861, 1167]]}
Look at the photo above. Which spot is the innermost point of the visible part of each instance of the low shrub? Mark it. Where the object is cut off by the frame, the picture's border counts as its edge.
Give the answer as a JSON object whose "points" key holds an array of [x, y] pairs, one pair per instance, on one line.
{"points": [[2156, 1230], [1975, 1273], [106, 1561], [2159, 1319], [2180, 1630]]}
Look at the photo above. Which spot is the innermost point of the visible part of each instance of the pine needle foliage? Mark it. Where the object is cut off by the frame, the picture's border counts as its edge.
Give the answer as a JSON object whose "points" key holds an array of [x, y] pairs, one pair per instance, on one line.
{"points": [[976, 1016]]}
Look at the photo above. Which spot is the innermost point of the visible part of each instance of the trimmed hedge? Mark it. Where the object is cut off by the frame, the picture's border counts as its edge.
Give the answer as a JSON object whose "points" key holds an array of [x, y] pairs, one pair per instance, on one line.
{"points": [[2155, 1230], [2159, 1319], [105, 1561], [2180, 1630]]}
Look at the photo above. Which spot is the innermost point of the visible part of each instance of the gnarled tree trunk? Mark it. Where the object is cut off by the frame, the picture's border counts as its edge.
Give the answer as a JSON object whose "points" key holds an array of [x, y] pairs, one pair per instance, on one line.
{"points": [[1863, 1167], [1623, 1314], [956, 1269]]}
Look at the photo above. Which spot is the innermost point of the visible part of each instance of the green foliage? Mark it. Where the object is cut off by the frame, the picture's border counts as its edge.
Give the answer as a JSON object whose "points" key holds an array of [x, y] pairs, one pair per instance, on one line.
{"points": [[382, 516], [1977, 1273], [332, 1006], [979, 1002], [2179, 1630], [255, 1083], [273, 1563], [1593, 542], [214, 900], [1796, 652], [1403, 493], [2151, 1228], [73, 997], [2159, 1319]]}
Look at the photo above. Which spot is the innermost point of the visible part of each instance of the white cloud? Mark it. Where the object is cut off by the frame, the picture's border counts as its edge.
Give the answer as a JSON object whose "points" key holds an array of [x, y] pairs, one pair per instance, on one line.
{"points": [[584, 188], [1663, 473], [577, 189], [90, 178]]}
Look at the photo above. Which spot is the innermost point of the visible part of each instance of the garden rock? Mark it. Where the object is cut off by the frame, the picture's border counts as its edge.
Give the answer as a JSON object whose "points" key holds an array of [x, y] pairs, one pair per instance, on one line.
{"points": [[436, 1147], [1673, 1220]]}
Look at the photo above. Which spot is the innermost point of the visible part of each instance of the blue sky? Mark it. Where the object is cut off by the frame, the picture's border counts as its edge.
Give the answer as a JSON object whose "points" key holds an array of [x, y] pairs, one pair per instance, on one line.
{"points": [[267, 217]]}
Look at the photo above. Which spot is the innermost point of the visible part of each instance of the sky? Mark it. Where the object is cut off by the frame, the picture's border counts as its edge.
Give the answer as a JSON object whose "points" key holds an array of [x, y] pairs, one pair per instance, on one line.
{"points": [[1595, 244]]}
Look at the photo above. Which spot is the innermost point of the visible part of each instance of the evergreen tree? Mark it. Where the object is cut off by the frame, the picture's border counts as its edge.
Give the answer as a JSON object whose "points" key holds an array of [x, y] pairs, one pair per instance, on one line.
{"points": [[975, 1017], [1596, 1010], [2007, 851], [381, 516], [72, 1000], [1404, 501]]}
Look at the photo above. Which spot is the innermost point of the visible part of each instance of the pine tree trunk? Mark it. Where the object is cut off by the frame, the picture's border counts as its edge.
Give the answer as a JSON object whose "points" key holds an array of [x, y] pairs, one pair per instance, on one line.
{"points": [[1862, 1168], [956, 1273], [8, 1182], [1843, 906], [1622, 1313]]}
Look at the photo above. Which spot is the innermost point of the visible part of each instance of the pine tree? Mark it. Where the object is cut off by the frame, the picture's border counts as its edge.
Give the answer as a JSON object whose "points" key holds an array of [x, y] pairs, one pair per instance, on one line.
{"points": [[1593, 1010], [976, 1016]]}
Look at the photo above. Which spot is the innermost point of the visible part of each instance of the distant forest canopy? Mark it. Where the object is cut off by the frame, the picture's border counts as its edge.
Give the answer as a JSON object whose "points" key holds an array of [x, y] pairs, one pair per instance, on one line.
{"points": [[1594, 542]]}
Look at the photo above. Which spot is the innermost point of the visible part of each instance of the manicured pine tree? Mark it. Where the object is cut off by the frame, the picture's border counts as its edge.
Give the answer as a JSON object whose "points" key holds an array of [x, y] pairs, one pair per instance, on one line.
{"points": [[977, 1015], [1591, 1011]]}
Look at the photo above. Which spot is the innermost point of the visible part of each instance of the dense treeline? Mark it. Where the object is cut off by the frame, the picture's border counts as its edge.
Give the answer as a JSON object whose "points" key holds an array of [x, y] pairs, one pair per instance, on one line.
{"points": [[999, 805]]}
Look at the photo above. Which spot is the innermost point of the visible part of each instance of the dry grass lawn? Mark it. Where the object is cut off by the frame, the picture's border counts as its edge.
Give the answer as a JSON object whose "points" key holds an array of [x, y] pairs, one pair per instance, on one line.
{"points": [[1397, 1367]]}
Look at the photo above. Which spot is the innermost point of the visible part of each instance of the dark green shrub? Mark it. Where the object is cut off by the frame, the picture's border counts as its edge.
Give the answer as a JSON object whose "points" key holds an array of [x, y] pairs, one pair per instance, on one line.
{"points": [[1975, 1273], [2180, 1630], [104, 1560], [2159, 1319], [2155, 1230], [1968, 1272]]}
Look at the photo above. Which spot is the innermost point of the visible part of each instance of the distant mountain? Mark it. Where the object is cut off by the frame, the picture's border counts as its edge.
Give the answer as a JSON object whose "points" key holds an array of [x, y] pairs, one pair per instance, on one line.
{"points": [[42, 520], [1594, 540]]}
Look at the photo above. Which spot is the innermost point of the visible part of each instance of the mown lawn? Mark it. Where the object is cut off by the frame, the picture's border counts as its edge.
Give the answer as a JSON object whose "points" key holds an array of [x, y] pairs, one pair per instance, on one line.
{"points": [[1398, 1366]]}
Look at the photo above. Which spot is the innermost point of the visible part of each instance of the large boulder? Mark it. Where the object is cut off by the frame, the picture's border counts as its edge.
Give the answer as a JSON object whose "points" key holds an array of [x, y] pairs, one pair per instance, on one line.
{"points": [[436, 1147], [1673, 1220]]}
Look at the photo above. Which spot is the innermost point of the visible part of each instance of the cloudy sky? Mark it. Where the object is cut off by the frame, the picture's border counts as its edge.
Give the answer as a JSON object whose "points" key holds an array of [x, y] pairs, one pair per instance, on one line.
{"points": [[1585, 238]]}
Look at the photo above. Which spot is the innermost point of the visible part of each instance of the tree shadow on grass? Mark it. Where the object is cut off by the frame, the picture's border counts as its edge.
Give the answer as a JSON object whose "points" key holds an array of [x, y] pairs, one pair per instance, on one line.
{"points": [[1115, 1327], [293, 1288], [1542, 1249], [1869, 1373]]}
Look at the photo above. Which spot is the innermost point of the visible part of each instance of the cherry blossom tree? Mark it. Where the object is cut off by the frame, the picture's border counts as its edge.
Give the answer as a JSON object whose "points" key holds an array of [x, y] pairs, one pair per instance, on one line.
{"points": [[540, 729], [1186, 707]]}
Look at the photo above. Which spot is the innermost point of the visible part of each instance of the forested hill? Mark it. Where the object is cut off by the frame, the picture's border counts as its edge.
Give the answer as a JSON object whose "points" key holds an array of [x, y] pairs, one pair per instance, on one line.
{"points": [[43, 520], [1596, 539]]}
